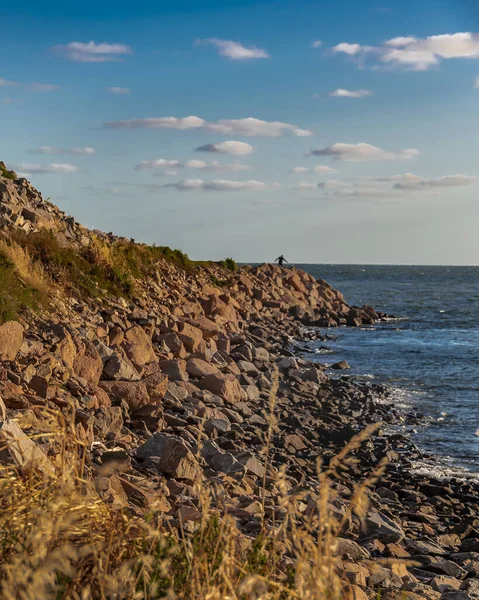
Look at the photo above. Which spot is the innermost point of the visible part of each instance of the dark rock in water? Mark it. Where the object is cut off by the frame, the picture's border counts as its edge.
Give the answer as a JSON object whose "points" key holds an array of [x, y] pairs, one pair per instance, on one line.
{"points": [[340, 366]]}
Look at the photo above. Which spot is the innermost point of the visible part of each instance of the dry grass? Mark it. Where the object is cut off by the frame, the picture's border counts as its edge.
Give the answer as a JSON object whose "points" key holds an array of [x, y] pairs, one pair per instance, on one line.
{"points": [[60, 540], [30, 271]]}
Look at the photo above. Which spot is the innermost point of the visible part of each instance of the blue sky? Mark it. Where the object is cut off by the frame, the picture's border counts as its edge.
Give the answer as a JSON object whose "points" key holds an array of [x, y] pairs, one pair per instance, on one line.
{"points": [[383, 114]]}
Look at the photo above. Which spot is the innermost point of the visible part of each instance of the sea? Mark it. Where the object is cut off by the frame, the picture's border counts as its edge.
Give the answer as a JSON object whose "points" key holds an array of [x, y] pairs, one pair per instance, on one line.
{"points": [[428, 355]]}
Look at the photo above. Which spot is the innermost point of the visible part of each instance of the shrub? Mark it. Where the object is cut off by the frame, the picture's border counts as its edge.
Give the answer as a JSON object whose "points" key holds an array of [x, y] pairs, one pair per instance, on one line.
{"points": [[229, 264], [4, 172]]}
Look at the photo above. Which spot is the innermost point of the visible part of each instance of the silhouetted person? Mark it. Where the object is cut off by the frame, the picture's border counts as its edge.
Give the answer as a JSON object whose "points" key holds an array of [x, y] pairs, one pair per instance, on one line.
{"points": [[281, 260]]}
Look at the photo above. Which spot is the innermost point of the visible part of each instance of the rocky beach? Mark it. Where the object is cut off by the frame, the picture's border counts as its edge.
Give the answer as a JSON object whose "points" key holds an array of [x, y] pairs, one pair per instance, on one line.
{"points": [[180, 375]]}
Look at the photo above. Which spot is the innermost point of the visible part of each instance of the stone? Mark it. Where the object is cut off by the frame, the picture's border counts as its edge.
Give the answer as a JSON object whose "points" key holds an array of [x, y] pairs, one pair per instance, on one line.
{"points": [[138, 346], [119, 369], [192, 337], [17, 447], [65, 348], [156, 386], [134, 393], [443, 583], [195, 367], [340, 366], [88, 363], [226, 386], [11, 340], [169, 454], [207, 327], [385, 529], [174, 369]]}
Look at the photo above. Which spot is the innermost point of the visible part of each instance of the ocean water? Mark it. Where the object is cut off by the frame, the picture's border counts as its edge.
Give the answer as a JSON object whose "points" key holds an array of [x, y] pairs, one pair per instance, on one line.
{"points": [[430, 355]]}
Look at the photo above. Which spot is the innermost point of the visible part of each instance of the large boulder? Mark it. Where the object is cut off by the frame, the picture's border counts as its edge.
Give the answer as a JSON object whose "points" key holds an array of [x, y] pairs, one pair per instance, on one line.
{"points": [[169, 455], [226, 386], [120, 369], [379, 526], [65, 348], [11, 340]]}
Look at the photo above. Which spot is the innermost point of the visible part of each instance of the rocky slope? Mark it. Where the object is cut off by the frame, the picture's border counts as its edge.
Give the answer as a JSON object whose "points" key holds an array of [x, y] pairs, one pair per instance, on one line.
{"points": [[170, 383]]}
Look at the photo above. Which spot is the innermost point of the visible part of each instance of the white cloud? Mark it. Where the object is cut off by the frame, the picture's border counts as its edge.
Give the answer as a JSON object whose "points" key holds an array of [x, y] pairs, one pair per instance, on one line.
{"points": [[350, 49], [324, 169], [444, 181], [342, 93], [230, 147], [52, 150], [417, 54], [363, 152], [235, 50], [119, 90], [316, 44], [93, 52], [248, 126], [6, 82], [170, 166], [305, 185], [34, 169], [158, 163], [44, 87], [320, 169], [221, 185], [216, 166]]}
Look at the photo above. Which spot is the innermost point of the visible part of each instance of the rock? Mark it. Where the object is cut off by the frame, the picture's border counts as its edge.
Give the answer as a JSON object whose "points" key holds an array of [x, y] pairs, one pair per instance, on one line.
{"points": [[226, 386], [287, 363], [380, 526], [207, 327], [340, 366], [192, 337], [196, 367], [119, 369], [156, 386], [442, 583], [17, 447], [11, 340], [138, 346], [134, 393], [175, 369], [65, 348], [88, 363], [169, 454]]}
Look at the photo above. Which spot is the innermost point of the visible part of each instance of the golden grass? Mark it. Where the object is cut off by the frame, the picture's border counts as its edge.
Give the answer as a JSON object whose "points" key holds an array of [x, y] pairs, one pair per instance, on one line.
{"points": [[30, 271], [60, 540]]}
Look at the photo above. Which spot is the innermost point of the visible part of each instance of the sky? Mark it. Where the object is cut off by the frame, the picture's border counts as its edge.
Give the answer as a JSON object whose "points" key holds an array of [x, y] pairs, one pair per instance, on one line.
{"points": [[330, 132]]}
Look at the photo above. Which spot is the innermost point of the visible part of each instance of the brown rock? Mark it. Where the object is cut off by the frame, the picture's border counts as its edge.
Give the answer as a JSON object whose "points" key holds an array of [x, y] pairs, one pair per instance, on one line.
{"points": [[138, 346], [196, 367], [88, 363], [133, 392], [226, 386], [175, 369], [169, 454], [156, 385], [17, 447], [207, 327], [11, 340]]}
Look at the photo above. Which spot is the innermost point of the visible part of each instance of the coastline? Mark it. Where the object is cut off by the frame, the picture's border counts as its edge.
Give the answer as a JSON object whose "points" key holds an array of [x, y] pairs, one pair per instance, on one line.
{"points": [[169, 388]]}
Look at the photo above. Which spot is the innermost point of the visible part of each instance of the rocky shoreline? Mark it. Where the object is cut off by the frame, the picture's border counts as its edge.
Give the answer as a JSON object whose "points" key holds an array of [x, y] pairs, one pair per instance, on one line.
{"points": [[171, 386]]}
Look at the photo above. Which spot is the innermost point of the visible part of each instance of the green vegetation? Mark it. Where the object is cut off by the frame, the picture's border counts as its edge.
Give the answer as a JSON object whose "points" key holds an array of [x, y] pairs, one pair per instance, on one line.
{"points": [[4, 172], [229, 264]]}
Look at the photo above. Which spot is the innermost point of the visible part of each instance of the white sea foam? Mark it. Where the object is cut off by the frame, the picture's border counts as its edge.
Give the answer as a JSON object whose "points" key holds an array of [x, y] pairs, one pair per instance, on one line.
{"points": [[441, 470]]}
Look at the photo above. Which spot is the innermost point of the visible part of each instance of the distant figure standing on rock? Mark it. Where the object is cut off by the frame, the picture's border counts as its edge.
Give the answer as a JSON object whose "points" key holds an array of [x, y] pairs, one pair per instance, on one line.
{"points": [[281, 260]]}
